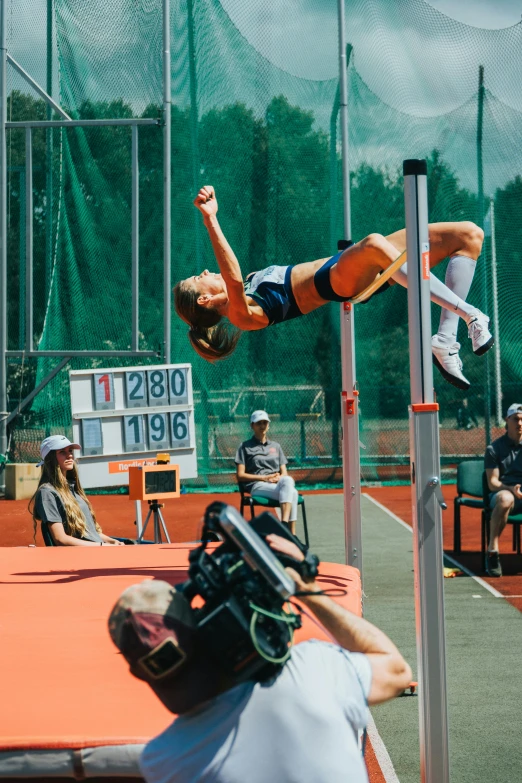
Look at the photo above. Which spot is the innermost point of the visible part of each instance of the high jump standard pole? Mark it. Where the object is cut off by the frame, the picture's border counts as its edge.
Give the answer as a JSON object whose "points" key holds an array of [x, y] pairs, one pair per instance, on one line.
{"points": [[426, 494], [349, 397]]}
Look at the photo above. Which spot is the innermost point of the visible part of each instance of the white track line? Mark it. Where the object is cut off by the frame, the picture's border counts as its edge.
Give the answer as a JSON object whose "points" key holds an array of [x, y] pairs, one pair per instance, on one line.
{"points": [[477, 579], [381, 754]]}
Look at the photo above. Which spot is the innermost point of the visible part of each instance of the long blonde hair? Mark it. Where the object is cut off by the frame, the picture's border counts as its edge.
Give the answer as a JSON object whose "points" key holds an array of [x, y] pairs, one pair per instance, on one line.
{"points": [[210, 338], [52, 476]]}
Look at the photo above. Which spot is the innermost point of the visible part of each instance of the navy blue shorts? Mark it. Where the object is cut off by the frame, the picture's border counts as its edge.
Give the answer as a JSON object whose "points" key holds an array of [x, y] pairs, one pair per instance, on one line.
{"points": [[324, 287], [517, 506]]}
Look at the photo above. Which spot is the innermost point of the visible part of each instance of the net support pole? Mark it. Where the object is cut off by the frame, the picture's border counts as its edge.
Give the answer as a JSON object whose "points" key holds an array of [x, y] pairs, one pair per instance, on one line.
{"points": [[349, 396], [29, 330], [167, 100], [496, 327], [49, 155], [3, 236], [135, 215], [426, 493]]}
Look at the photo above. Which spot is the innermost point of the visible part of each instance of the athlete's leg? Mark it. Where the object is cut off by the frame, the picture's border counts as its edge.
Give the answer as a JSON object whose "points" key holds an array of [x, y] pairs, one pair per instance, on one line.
{"points": [[360, 264], [463, 243]]}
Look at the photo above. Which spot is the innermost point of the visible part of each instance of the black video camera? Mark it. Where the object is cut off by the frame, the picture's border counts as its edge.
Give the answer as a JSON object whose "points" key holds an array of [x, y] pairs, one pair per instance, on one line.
{"points": [[242, 625]]}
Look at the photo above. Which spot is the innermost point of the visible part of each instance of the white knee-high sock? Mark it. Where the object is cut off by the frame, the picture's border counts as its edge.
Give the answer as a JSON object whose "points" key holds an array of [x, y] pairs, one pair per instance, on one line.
{"points": [[440, 294], [459, 276]]}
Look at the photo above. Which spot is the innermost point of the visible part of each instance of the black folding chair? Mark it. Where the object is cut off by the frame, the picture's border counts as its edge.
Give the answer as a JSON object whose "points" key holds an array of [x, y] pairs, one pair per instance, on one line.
{"points": [[257, 500], [469, 482]]}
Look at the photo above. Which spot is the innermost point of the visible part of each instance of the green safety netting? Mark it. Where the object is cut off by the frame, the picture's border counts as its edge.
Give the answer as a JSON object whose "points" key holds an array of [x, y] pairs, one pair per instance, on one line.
{"points": [[255, 113]]}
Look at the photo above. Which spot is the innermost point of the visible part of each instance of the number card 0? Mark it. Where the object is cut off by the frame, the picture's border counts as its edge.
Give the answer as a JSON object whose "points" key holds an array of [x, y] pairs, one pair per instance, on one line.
{"points": [[134, 433], [179, 430], [103, 391], [178, 386], [158, 390], [136, 389], [158, 431]]}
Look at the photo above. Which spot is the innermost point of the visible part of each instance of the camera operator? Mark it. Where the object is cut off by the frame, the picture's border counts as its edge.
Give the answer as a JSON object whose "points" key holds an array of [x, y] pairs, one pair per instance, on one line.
{"points": [[301, 725]]}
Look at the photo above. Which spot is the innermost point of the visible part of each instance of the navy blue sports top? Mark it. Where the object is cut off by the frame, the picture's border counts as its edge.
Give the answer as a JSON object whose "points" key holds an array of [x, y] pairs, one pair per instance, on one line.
{"points": [[270, 288]]}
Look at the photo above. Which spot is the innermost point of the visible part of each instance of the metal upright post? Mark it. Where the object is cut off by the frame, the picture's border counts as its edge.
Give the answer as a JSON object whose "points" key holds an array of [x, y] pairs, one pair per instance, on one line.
{"points": [[3, 237], [496, 324], [426, 492], [349, 397], [167, 100], [485, 281]]}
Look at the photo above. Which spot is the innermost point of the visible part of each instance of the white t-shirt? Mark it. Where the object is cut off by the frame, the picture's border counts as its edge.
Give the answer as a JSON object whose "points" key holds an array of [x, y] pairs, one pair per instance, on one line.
{"points": [[301, 728]]}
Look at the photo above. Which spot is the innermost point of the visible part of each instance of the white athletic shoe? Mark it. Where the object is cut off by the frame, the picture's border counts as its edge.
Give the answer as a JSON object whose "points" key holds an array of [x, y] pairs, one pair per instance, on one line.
{"points": [[447, 360], [478, 331]]}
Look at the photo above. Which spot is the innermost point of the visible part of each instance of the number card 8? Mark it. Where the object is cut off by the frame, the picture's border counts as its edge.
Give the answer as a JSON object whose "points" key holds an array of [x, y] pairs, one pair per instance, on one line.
{"points": [[158, 388], [180, 430]]}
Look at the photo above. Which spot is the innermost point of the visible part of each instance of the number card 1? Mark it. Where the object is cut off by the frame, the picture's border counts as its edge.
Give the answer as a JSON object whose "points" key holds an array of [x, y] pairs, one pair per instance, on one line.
{"points": [[158, 389], [134, 433], [136, 389], [103, 391], [180, 430]]}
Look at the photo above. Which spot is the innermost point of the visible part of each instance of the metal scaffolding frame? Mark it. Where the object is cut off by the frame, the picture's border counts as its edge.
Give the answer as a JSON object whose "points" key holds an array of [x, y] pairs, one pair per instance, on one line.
{"points": [[29, 351]]}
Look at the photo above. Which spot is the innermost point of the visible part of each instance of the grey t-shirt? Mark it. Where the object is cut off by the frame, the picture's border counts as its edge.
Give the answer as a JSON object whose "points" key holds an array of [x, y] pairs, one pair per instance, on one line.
{"points": [[260, 458], [506, 455], [300, 728], [49, 508]]}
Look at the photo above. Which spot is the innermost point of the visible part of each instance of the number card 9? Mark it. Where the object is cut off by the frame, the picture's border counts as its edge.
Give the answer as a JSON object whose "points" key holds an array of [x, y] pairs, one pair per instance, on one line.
{"points": [[158, 431], [136, 389], [103, 391], [180, 430], [158, 389]]}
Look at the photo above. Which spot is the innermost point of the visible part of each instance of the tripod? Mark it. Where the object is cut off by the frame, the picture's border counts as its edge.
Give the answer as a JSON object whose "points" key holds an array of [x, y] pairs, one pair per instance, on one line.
{"points": [[159, 523]]}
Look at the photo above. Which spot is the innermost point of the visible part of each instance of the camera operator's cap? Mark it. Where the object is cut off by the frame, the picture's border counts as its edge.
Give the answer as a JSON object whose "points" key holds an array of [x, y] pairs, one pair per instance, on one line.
{"points": [[259, 416], [513, 409], [153, 625], [54, 443]]}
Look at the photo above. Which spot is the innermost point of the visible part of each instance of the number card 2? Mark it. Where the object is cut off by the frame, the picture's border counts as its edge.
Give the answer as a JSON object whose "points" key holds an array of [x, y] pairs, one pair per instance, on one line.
{"points": [[158, 431], [158, 389], [134, 433], [136, 389], [179, 430], [103, 391]]}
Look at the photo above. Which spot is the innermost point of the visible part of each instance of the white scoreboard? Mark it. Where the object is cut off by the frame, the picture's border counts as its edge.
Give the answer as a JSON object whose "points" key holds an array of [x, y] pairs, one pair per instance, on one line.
{"points": [[123, 416]]}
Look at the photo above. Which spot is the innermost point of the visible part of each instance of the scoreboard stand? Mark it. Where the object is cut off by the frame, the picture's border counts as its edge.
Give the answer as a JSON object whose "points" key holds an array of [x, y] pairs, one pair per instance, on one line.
{"points": [[158, 522], [122, 416]]}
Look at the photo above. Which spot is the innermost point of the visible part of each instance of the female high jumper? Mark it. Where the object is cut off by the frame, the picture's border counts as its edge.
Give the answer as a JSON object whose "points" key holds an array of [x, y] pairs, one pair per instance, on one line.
{"points": [[279, 293]]}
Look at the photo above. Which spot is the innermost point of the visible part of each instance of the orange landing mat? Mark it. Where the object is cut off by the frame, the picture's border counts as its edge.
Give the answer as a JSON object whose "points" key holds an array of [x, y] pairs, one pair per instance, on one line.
{"points": [[64, 685]]}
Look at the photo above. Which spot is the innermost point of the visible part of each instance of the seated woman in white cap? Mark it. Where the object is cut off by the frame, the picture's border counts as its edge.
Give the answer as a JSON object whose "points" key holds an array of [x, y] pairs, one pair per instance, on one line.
{"points": [[60, 502], [261, 469]]}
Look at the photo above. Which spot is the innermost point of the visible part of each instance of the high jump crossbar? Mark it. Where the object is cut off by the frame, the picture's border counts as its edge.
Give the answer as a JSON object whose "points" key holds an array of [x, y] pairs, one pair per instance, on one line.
{"points": [[426, 493]]}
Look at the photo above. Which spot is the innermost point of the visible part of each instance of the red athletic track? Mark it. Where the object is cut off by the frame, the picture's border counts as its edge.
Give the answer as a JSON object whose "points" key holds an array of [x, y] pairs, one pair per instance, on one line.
{"points": [[116, 514]]}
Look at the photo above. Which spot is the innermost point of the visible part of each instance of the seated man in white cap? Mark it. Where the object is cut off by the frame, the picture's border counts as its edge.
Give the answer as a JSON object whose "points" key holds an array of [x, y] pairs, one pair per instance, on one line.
{"points": [[261, 469], [503, 465]]}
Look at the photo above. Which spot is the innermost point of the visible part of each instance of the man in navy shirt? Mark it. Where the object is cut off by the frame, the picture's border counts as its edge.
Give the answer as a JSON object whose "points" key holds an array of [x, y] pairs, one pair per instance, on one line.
{"points": [[503, 465]]}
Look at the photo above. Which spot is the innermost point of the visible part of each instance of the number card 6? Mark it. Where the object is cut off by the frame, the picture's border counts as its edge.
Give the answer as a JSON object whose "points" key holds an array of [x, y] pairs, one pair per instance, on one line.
{"points": [[179, 430]]}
